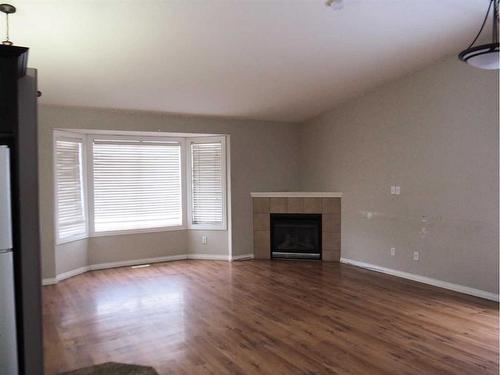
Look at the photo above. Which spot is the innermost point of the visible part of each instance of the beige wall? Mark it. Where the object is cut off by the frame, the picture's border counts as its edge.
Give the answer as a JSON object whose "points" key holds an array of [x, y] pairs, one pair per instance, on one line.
{"points": [[263, 157], [434, 133], [217, 242], [121, 248], [109, 249], [70, 256]]}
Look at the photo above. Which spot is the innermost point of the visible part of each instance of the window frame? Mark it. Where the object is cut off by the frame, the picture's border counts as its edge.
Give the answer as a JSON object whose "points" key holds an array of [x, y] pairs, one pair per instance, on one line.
{"points": [[87, 141], [90, 177], [189, 178], [71, 137]]}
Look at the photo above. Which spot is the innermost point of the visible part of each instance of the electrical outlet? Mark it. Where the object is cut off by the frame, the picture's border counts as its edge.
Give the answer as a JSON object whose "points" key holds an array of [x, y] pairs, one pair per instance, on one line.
{"points": [[393, 251], [416, 255], [204, 239]]}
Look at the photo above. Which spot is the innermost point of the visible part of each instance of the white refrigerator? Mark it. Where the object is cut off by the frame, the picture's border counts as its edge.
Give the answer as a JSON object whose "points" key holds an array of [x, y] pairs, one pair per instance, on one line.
{"points": [[8, 341]]}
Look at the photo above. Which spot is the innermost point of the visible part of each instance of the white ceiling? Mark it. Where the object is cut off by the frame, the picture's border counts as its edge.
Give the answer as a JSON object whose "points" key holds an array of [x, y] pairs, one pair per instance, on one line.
{"points": [[284, 60]]}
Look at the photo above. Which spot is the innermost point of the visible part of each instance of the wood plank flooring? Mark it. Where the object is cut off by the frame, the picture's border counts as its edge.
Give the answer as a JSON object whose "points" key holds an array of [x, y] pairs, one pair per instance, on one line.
{"points": [[266, 317]]}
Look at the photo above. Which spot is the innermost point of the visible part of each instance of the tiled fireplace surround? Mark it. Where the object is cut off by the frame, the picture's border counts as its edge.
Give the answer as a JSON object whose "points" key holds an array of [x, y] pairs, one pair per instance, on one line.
{"points": [[326, 204]]}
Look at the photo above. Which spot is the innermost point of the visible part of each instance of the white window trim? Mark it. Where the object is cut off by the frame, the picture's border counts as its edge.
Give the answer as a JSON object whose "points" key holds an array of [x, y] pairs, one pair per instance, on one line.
{"points": [[90, 177], [189, 210], [69, 136]]}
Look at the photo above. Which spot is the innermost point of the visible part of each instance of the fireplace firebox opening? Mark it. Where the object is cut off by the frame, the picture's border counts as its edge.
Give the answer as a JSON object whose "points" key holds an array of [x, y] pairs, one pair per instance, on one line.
{"points": [[296, 236]]}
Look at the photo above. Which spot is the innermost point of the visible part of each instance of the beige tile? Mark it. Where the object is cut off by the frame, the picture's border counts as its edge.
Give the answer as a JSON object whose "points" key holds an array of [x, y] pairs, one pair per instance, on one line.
{"points": [[279, 205], [262, 253], [295, 205], [261, 205], [331, 256], [331, 223], [313, 205], [262, 238], [331, 205], [262, 244], [331, 241], [261, 222]]}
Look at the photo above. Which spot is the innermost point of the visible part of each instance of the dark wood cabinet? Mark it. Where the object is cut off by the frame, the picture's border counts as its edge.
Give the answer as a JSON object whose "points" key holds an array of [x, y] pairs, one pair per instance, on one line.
{"points": [[18, 130]]}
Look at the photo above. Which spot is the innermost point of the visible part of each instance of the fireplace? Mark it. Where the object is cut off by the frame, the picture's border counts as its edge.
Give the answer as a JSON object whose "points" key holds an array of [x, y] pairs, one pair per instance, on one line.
{"points": [[296, 236], [322, 209]]}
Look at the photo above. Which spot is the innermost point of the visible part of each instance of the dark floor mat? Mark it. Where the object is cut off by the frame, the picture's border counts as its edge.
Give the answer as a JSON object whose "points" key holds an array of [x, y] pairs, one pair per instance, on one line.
{"points": [[112, 368]]}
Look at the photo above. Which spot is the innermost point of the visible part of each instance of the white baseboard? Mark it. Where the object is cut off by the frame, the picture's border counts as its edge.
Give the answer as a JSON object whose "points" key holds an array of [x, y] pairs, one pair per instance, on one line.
{"points": [[102, 266], [241, 257], [424, 279], [75, 272], [49, 281], [136, 262], [65, 275], [207, 257]]}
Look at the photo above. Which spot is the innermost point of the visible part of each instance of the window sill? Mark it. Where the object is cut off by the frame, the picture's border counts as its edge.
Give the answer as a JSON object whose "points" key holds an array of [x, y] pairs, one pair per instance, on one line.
{"points": [[142, 231], [207, 227], [71, 239], [137, 231]]}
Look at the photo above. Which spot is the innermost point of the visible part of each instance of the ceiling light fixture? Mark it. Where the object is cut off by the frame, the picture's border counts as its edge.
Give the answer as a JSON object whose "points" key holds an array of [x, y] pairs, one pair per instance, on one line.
{"points": [[484, 56], [7, 9]]}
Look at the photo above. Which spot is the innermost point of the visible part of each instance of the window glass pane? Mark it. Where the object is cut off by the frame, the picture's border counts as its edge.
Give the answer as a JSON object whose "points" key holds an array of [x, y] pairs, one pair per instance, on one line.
{"points": [[71, 218], [207, 183], [137, 185]]}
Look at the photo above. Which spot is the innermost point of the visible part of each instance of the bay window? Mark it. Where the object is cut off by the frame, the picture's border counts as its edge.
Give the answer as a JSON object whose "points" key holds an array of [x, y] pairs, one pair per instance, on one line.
{"points": [[138, 184]]}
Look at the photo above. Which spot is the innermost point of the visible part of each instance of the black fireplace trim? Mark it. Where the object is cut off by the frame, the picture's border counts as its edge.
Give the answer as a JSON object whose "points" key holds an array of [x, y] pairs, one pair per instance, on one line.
{"points": [[318, 217]]}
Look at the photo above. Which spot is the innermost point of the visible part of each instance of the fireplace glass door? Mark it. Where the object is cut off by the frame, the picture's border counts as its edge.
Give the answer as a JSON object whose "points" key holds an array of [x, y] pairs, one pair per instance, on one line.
{"points": [[296, 236]]}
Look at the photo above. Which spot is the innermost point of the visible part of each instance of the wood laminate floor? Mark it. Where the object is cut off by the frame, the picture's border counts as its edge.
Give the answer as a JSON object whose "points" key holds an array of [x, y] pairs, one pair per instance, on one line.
{"points": [[266, 317]]}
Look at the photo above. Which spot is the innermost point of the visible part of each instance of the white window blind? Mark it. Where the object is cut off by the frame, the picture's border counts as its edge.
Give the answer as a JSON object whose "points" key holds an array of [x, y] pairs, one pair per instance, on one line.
{"points": [[137, 184], [71, 217], [207, 183]]}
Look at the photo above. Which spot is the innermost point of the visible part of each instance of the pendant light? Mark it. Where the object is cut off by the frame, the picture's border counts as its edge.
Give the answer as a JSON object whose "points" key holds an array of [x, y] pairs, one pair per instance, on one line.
{"points": [[7, 9], [484, 56]]}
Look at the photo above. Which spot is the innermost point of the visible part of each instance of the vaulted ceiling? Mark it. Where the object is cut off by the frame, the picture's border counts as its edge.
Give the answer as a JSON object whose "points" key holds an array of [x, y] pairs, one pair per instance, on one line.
{"points": [[285, 60]]}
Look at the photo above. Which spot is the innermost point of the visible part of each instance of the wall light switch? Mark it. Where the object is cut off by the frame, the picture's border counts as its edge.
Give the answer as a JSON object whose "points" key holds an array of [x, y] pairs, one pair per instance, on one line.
{"points": [[416, 255], [393, 189], [204, 239], [393, 251], [398, 189]]}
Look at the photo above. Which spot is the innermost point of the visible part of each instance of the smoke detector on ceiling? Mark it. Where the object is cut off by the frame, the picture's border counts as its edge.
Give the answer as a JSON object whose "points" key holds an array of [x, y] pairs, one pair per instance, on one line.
{"points": [[335, 4]]}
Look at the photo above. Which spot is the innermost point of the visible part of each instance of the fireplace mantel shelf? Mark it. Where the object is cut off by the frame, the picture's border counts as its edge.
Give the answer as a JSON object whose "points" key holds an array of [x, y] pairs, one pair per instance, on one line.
{"points": [[296, 194]]}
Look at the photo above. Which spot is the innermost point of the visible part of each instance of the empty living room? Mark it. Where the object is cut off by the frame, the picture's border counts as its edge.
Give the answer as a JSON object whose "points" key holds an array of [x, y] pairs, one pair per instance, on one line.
{"points": [[249, 187]]}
